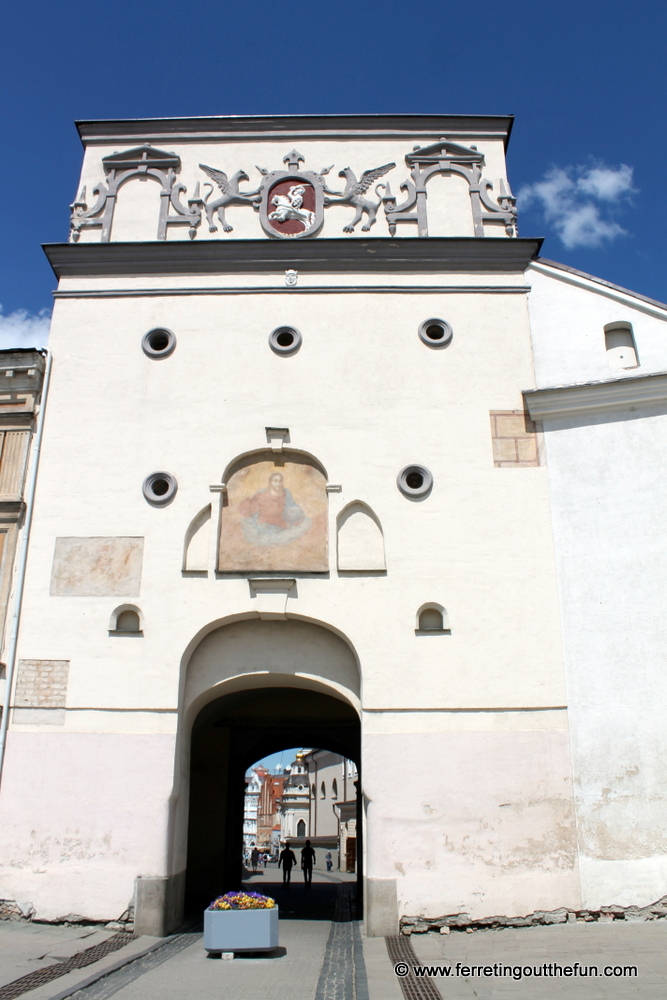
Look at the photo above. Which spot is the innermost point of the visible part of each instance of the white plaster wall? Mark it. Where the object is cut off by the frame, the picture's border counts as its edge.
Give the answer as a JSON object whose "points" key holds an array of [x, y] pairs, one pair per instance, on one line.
{"points": [[568, 317], [366, 397], [481, 541], [483, 823], [81, 814], [609, 509], [138, 201], [608, 503]]}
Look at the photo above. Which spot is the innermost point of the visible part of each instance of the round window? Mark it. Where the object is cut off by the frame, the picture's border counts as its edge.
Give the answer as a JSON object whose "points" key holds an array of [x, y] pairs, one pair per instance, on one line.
{"points": [[285, 340], [414, 481], [160, 488], [435, 332], [158, 343]]}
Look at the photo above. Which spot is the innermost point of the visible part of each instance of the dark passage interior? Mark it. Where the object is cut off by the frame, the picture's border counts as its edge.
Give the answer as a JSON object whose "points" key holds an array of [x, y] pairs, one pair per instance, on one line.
{"points": [[228, 736]]}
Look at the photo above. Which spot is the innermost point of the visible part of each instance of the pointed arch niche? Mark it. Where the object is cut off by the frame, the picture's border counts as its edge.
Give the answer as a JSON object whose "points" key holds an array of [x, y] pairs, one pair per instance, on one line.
{"points": [[274, 514], [195, 547], [360, 542]]}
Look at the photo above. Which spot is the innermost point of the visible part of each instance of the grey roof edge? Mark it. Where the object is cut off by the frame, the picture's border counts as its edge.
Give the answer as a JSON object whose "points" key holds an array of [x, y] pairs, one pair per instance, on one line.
{"points": [[268, 126], [600, 281], [432, 254]]}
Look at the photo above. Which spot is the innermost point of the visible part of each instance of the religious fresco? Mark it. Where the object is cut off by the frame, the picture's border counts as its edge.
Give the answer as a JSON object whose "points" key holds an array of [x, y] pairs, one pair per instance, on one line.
{"points": [[274, 519]]}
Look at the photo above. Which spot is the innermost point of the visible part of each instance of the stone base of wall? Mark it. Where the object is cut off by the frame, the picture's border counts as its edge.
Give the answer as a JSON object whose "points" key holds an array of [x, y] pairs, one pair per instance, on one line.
{"points": [[11, 910], [606, 914]]}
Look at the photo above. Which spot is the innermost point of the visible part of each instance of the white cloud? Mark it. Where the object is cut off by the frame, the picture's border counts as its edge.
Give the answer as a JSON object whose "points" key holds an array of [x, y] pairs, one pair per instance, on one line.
{"points": [[24, 329], [577, 202]]}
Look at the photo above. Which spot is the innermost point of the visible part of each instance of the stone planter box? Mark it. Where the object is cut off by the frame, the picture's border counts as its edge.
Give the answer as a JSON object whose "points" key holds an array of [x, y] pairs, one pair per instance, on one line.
{"points": [[240, 930]]}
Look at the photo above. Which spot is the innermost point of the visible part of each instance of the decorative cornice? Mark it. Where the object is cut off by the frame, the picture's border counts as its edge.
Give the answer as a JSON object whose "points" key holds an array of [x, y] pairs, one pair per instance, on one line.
{"points": [[434, 254], [143, 293], [293, 127], [597, 397]]}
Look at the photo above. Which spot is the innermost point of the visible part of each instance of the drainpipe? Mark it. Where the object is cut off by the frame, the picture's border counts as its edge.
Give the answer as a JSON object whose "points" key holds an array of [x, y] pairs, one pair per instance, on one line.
{"points": [[23, 559]]}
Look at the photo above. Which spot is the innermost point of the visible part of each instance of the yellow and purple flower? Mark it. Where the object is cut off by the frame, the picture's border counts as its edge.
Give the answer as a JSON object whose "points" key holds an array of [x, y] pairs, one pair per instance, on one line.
{"points": [[242, 901]]}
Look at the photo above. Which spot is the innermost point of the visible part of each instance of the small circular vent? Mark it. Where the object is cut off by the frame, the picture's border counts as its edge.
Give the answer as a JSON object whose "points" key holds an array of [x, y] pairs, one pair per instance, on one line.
{"points": [[414, 481], [160, 488], [158, 343], [285, 340], [435, 333]]}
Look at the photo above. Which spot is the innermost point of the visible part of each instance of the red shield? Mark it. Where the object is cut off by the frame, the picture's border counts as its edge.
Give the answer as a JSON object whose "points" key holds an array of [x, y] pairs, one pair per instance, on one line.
{"points": [[291, 206]]}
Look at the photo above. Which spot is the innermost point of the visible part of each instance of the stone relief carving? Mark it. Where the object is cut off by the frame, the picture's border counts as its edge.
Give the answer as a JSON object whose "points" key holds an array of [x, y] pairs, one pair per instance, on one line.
{"points": [[142, 162], [445, 157], [353, 195], [291, 201], [230, 196]]}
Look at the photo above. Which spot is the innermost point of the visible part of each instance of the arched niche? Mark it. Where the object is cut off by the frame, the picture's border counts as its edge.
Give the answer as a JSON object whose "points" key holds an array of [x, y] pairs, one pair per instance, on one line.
{"points": [[432, 619], [274, 515], [360, 542], [196, 543], [126, 620], [137, 209]]}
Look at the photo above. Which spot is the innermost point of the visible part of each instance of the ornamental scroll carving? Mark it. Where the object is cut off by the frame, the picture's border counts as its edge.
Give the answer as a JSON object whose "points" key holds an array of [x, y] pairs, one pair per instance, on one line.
{"points": [[147, 162], [445, 157], [291, 202]]}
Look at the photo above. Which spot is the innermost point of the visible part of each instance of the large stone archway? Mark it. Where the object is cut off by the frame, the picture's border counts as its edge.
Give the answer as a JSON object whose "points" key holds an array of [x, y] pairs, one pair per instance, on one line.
{"points": [[253, 687]]}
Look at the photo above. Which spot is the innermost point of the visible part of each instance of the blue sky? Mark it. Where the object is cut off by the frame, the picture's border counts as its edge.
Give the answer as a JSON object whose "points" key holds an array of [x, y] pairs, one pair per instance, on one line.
{"points": [[585, 80], [277, 760]]}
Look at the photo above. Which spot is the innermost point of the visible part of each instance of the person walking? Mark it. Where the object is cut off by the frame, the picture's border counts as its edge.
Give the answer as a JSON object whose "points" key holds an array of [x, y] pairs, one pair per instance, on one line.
{"points": [[254, 858], [329, 861], [286, 861], [307, 859]]}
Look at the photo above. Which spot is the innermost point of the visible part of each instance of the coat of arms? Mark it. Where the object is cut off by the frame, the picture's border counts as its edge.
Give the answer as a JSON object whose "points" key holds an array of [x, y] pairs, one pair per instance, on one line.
{"points": [[291, 202]]}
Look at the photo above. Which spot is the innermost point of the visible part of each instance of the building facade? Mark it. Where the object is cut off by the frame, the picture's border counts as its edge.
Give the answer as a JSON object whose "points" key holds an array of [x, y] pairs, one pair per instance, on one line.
{"points": [[300, 485], [320, 803], [268, 819], [253, 790], [21, 410]]}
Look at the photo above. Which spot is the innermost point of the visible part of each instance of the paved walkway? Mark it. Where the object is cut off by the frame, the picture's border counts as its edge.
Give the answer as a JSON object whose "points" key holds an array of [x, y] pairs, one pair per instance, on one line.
{"points": [[326, 957], [618, 946]]}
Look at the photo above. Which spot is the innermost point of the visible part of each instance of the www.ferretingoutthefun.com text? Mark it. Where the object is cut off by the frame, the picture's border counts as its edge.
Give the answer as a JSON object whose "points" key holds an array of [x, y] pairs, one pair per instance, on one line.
{"points": [[548, 970]]}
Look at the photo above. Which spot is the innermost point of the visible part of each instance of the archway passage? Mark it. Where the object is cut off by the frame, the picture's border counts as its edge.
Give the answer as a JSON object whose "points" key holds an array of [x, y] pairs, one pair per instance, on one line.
{"points": [[228, 736]]}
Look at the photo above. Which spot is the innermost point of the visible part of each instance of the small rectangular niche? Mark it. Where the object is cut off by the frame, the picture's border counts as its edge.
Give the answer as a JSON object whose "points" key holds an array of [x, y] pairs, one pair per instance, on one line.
{"points": [[620, 345]]}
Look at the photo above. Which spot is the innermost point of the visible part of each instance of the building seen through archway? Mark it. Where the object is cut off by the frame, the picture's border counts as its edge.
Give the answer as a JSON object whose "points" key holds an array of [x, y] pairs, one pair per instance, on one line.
{"points": [[313, 798]]}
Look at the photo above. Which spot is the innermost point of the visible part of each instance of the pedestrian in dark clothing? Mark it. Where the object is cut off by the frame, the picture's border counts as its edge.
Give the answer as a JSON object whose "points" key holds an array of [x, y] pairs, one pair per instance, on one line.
{"points": [[254, 858], [329, 861], [286, 861], [307, 858]]}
